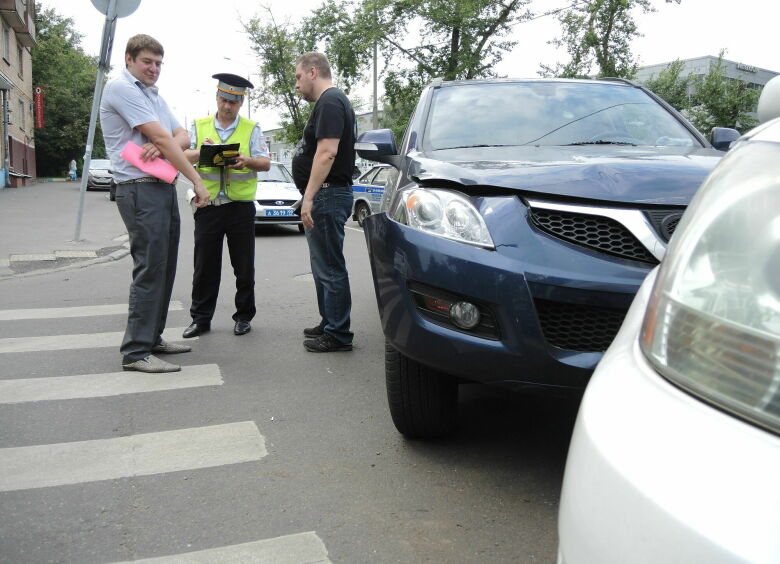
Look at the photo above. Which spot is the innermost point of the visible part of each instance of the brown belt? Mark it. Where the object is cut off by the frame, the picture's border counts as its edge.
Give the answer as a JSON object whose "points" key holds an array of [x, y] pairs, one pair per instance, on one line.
{"points": [[144, 179]]}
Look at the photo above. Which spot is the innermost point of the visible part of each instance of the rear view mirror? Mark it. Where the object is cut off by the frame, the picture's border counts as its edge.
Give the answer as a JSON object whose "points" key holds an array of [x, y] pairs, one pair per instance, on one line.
{"points": [[769, 101], [722, 137], [378, 145]]}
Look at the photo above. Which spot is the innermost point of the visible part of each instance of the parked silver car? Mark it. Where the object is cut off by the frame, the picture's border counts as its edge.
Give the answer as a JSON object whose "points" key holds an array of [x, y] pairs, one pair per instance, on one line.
{"points": [[368, 190], [675, 455]]}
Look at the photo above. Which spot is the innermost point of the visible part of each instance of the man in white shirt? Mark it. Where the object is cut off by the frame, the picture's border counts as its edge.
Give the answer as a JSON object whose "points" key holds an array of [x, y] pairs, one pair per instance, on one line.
{"points": [[132, 110]]}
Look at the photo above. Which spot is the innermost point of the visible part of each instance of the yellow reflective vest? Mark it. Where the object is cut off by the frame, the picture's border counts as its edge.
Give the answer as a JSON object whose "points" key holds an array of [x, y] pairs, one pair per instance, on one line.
{"points": [[241, 183]]}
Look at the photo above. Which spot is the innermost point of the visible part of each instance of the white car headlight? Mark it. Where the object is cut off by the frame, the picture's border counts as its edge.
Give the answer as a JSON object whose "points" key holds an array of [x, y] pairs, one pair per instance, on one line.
{"points": [[444, 213], [713, 323]]}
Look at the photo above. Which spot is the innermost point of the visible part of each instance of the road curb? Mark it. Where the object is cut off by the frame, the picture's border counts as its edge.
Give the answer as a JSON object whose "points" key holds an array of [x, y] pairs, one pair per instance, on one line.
{"points": [[116, 255]]}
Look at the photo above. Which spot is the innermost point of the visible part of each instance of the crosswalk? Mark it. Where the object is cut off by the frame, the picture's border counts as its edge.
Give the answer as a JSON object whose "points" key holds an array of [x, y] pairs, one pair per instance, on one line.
{"points": [[27, 468]]}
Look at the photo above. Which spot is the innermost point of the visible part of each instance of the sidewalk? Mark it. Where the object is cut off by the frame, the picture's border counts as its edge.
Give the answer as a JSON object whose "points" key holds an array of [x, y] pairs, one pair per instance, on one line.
{"points": [[38, 224]]}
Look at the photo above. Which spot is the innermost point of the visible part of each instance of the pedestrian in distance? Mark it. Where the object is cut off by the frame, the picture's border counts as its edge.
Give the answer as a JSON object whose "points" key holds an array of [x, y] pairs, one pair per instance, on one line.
{"points": [[131, 109], [322, 169], [230, 212], [72, 174]]}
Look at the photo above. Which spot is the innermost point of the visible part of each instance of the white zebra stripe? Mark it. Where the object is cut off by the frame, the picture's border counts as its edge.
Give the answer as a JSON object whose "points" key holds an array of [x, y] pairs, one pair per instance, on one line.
{"points": [[290, 549], [75, 341], [42, 466], [77, 311], [103, 385]]}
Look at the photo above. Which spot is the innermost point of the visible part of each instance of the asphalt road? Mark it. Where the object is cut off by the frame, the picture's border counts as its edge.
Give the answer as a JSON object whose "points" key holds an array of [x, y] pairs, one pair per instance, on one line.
{"points": [[277, 452]]}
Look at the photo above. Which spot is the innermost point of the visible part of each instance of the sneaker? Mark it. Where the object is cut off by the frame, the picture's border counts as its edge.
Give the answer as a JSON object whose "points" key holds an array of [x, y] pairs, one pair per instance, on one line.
{"points": [[170, 348], [313, 331], [151, 364], [325, 343]]}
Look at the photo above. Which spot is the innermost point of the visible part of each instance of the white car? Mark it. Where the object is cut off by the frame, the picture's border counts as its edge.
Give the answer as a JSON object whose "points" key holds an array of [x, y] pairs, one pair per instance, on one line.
{"points": [[675, 455], [276, 198]]}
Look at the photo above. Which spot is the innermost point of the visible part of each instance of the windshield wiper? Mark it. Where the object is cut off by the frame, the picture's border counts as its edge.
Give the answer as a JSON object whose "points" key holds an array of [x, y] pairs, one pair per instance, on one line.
{"points": [[601, 142], [473, 146]]}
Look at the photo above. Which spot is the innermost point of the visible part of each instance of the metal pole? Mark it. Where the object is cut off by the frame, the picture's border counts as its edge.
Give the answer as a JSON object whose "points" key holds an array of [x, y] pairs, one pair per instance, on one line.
{"points": [[375, 118], [108, 39]]}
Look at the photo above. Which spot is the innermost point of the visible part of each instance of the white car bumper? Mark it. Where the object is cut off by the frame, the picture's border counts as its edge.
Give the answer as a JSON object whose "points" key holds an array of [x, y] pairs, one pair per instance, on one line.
{"points": [[655, 475]]}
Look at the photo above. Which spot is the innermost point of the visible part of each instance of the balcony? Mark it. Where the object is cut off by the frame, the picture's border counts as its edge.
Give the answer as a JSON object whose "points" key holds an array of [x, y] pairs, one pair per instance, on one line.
{"points": [[13, 12], [20, 15]]}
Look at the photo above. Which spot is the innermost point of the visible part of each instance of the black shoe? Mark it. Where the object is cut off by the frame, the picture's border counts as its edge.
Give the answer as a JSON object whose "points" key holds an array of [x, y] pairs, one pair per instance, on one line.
{"points": [[196, 329], [313, 331], [242, 328], [325, 343]]}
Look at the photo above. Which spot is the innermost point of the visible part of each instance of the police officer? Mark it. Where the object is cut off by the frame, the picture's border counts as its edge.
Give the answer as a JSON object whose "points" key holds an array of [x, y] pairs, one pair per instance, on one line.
{"points": [[231, 208]]}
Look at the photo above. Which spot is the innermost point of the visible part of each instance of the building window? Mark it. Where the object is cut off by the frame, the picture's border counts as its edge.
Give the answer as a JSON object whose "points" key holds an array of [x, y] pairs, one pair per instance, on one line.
{"points": [[6, 42], [21, 114], [20, 57]]}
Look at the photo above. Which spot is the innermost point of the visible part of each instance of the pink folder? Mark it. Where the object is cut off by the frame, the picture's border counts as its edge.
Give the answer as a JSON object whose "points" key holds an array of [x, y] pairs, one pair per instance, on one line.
{"points": [[157, 167]]}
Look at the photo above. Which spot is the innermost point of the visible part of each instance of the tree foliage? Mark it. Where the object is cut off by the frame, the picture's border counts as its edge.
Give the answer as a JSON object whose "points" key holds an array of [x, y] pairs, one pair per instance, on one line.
{"points": [[598, 33], [67, 76], [719, 101], [708, 100], [276, 45], [452, 39], [671, 85]]}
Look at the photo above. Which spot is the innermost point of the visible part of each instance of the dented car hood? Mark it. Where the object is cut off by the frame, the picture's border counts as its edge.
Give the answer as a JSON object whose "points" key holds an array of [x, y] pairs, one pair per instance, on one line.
{"points": [[612, 173]]}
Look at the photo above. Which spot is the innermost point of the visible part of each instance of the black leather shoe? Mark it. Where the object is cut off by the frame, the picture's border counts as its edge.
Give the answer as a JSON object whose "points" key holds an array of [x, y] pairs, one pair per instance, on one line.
{"points": [[196, 329], [242, 328]]}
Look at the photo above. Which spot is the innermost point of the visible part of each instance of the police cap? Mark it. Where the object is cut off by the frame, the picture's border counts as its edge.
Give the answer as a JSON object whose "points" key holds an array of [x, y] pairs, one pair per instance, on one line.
{"points": [[231, 86]]}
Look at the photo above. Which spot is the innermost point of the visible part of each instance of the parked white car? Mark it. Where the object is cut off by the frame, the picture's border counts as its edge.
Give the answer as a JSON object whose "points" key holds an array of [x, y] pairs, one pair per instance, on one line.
{"points": [[276, 197], [675, 455]]}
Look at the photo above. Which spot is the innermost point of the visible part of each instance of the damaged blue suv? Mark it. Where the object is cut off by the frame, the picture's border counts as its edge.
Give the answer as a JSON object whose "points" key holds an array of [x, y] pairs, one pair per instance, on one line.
{"points": [[519, 221]]}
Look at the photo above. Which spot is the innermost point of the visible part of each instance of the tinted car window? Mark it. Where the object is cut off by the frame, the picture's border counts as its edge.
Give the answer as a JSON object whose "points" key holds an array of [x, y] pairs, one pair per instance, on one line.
{"points": [[277, 173], [550, 113]]}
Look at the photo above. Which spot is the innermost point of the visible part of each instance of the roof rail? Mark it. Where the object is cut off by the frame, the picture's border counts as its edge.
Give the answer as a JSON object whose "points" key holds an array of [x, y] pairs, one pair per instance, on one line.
{"points": [[618, 79]]}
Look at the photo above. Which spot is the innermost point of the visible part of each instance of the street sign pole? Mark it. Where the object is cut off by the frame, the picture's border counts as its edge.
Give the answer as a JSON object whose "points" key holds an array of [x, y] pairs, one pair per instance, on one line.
{"points": [[113, 9]]}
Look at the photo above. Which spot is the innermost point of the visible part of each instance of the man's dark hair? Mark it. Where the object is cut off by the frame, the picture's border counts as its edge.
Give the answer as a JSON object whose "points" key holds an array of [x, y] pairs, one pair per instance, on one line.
{"points": [[141, 42], [317, 60]]}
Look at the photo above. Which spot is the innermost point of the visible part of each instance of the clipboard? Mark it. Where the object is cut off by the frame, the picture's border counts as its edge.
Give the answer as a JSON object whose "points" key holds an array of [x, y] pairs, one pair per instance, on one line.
{"points": [[209, 152]]}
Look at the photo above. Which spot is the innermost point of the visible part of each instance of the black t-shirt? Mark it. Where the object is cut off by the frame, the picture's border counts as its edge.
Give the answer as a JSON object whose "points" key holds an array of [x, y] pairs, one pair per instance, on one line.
{"points": [[331, 118]]}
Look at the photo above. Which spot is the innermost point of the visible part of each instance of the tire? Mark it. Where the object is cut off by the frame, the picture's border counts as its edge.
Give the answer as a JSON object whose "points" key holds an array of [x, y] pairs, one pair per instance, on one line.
{"points": [[423, 402], [301, 228], [362, 211], [112, 192]]}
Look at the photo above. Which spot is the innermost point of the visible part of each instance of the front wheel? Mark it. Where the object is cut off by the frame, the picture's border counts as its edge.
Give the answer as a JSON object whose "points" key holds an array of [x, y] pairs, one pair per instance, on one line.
{"points": [[301, 228], [423, 402], [362, 211], [112, 192]]}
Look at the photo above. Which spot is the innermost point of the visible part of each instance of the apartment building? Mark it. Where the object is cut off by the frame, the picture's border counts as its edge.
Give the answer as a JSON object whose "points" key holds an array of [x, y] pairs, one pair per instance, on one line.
{"points": [[17, 144]]}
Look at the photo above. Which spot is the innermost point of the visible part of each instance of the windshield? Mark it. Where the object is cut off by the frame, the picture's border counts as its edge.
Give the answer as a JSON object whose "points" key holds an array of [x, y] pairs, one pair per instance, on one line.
{"points": [[99, 164], [277, 173], [550, 113]]}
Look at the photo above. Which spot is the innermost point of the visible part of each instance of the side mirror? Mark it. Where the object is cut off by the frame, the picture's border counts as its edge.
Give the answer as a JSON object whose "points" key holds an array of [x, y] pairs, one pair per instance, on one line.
{"points": [[722, 137], [769, 101], [378, 145]]}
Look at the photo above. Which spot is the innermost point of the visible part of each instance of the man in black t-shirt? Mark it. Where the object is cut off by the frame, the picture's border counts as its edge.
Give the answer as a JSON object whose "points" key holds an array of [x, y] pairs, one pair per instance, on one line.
{"points": [[322, 169]]}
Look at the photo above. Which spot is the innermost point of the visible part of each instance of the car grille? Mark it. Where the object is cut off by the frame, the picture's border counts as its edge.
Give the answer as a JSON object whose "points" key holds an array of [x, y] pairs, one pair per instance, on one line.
{"points": [[592, 231], [578, 327], [276, 202], [664, 221]]}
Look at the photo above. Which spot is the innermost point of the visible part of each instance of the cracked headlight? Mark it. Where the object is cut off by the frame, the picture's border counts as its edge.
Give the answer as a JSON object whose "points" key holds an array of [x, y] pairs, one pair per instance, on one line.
{"points": [[444, 213], [713, 322]]}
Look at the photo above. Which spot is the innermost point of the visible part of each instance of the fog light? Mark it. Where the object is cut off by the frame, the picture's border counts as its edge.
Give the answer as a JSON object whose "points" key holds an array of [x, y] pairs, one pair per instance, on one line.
{"points": [[465, 315]]}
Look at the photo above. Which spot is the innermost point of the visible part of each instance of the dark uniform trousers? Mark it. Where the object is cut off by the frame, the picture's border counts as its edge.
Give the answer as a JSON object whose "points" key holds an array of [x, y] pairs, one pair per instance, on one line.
{"points": [[236, 221], [151, 214]]}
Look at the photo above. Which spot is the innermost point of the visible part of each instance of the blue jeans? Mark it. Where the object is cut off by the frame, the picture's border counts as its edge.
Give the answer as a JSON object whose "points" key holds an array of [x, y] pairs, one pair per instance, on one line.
{"points": [[330, 212]]}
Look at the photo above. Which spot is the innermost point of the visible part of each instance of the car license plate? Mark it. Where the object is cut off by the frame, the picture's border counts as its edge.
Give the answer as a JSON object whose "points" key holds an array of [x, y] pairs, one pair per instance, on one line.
{"points": [[276, 213]]}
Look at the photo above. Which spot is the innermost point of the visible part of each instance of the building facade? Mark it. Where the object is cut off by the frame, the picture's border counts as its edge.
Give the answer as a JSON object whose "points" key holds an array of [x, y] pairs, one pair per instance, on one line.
{"points": [[17, 144], [754, 77]]}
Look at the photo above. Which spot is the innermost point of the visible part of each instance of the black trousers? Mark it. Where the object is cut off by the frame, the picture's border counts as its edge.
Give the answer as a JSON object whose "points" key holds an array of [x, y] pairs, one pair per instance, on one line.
{"points": [[151, 214], [236, 221]]}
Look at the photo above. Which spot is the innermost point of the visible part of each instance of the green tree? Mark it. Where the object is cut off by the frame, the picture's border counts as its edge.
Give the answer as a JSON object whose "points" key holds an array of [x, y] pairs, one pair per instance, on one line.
{"points": [[67, 76], [719, 101], [672, 86], [276, 46], [598, 33]]}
